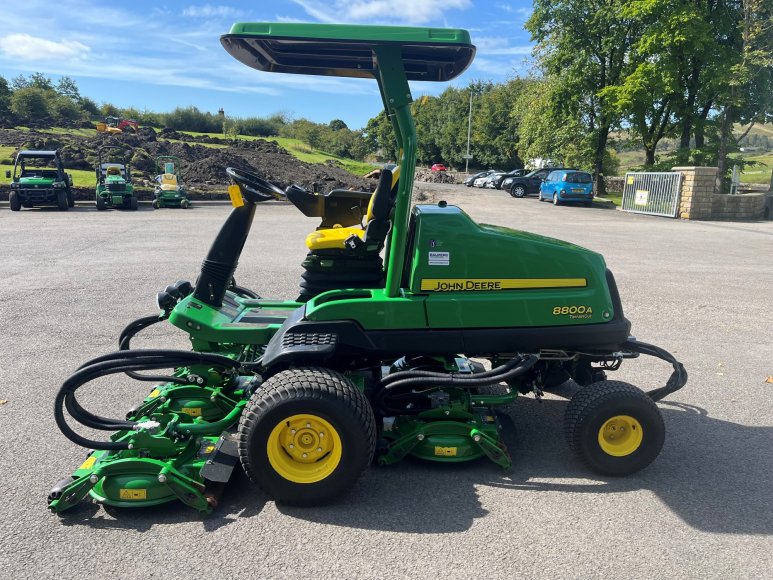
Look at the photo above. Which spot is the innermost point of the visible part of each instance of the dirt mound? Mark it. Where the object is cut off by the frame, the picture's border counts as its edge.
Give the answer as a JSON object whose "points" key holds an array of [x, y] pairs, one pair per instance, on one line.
{"points": [[429, 176], [202, 166]]}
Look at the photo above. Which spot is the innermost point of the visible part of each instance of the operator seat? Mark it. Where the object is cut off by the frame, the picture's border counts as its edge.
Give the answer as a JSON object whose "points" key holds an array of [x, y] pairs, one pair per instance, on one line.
{"points": [[349, 257], [113, 170], [169, 182]]}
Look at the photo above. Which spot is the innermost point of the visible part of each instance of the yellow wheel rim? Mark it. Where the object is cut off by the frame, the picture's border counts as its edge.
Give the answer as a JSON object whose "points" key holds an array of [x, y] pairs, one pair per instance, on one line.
{"points": [[304, 448], [620, 436]]}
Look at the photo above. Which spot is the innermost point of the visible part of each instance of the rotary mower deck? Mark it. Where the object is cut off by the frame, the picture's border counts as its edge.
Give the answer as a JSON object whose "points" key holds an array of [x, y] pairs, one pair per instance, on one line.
{"points": [[379, 356]]}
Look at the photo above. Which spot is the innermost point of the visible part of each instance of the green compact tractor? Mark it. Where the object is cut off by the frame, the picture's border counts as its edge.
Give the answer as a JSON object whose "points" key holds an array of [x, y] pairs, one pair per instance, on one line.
{"points": [[114, 179], [413, 324], [170, 188], [38, 178]]}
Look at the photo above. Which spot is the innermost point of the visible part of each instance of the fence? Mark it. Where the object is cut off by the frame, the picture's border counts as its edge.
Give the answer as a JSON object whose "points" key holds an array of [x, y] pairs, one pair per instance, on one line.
{"points": [[652, 193]]}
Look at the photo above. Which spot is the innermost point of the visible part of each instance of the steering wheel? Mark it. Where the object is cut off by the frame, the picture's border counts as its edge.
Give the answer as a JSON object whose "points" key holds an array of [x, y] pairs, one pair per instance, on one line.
{"points": [[253, 187]]}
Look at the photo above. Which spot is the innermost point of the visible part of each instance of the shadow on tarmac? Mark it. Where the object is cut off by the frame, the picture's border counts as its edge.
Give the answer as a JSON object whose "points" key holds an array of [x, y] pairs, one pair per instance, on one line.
{"points": [[713, 474]]}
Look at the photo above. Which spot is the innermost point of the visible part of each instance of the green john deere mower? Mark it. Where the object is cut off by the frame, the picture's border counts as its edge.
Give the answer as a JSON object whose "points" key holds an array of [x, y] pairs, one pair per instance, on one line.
{"points": [[114, 179], [170, 188], [413, 324]]}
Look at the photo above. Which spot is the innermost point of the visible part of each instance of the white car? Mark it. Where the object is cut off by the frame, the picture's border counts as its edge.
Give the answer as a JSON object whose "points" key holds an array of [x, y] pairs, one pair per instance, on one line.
{"points": [[480, 181]]}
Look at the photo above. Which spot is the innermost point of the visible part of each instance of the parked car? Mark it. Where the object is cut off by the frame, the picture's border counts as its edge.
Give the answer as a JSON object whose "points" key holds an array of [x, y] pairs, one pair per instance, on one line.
{"points": [[567, 185], [438, 167], [471, 179], [529, 183], [507, 179], [480, 181]]}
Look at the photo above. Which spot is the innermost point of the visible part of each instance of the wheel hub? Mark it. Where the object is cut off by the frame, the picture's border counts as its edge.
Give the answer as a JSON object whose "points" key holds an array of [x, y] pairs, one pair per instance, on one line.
{"points": [[304, 448], [620, 435]]}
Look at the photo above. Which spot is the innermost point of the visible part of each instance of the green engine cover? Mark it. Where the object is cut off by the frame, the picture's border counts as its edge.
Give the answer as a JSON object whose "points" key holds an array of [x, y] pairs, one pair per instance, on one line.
{"points": [[489, 276]]}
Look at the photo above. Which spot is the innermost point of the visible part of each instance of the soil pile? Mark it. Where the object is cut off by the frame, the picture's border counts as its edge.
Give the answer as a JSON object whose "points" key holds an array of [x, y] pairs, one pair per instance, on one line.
{"points": [[202, 166], [429, 176]]}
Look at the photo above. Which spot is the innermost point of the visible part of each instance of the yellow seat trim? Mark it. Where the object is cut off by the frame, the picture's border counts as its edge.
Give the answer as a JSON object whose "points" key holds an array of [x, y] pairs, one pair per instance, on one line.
{"points": [[332, 238]]}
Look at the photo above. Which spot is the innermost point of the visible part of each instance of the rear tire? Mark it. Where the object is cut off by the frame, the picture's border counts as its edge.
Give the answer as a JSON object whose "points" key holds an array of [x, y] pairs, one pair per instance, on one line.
{"points": [[518, 191], [185, 204], [556, 201], [13, 201], [614, 427], [61, 201], [101, 205], [306, 436], [133, 204]]}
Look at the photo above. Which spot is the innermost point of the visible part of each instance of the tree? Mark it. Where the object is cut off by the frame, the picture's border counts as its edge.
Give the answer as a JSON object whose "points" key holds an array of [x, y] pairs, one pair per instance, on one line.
{"points": [[747, 96], [337, 125], [585, 44], [5, 97], [40, 81], [30, 103], [68, 88]]}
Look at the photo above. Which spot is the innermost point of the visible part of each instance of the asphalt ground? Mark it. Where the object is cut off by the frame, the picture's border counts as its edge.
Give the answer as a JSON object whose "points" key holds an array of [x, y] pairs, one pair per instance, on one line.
{"points": [[70, 281]]}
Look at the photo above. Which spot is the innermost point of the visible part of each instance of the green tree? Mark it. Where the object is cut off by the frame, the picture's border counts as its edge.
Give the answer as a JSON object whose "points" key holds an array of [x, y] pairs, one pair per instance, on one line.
{"points": [[586, 45], [30, 104], [41, 81], [337, 125], [5, 97], [67, 87]]}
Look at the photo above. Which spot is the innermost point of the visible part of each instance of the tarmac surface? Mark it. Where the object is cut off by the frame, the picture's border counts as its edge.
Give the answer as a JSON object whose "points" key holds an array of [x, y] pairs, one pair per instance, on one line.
{"points": [[69, 282]]}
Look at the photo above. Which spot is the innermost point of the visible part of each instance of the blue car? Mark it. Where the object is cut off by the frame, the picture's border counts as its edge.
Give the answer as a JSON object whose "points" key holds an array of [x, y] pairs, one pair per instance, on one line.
{"points": [[564, 185]]}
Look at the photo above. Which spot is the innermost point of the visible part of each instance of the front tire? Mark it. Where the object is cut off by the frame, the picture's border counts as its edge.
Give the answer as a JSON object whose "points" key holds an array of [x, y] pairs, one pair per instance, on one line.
{"points": [[614, 427], [133, 204], [185, 204], [518, 191], [13, 201], [61, 201], [70, 199], [556, 201], [101, 205], [306, 435]]}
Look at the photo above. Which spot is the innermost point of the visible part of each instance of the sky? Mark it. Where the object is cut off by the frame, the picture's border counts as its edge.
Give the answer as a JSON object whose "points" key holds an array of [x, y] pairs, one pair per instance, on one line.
{"points": [[156, 56]]}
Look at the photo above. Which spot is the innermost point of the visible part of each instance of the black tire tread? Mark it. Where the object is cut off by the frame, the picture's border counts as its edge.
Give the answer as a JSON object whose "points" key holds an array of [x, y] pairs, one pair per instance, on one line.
{"points": [[304, 383], [593, 395]]}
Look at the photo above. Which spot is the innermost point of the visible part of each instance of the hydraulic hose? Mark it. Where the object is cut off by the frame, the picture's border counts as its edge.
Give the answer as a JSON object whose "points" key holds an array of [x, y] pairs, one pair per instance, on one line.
{"points": [[508, 371], [678, 378], [113, 363], [124, 341]]}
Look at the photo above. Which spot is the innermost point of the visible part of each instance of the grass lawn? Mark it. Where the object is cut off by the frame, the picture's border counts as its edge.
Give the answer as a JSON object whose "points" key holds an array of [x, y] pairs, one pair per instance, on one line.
{"points": [[758, 173]]}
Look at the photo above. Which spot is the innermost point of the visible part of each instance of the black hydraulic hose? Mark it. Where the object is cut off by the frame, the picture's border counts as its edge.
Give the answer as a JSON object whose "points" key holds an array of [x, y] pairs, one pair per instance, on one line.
{"points": [[678, 378], [391, 378], [119, 362], [244, 292], [124, 341], [508, 371]]}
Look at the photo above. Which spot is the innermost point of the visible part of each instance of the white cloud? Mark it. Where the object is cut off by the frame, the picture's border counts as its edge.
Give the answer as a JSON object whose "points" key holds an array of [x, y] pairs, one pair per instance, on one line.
{"points": [[209, 11], [28, 47], [381, 11]]}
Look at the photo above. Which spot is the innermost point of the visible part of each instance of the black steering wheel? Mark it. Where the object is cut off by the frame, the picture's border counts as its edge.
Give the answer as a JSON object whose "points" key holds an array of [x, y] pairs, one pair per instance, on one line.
{"points": [[253, 187]]}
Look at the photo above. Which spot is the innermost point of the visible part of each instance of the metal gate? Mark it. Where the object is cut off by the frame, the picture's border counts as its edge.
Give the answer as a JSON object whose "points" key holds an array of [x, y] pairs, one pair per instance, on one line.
{"points": [[652, 193]]}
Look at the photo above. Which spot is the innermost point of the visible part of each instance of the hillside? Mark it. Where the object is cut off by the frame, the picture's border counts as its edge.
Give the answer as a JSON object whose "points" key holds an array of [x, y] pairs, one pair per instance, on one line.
{"points": [[204, 156]]}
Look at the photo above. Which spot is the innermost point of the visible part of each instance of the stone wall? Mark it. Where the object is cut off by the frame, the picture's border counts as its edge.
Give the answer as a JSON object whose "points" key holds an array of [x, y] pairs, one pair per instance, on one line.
{"points": [[699, 202]]}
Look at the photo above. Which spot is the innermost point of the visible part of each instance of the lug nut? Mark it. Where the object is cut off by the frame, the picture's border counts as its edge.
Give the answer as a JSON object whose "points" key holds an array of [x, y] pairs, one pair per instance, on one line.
{"points": [[308, 425], [321, 434], [319, 449], [304, 456], [420, 436], [292, 431], [292, 446]]}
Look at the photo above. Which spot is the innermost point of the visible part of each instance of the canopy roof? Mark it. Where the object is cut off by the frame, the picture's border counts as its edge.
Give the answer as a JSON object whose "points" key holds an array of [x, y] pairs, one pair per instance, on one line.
{"points": [[344, 50]]}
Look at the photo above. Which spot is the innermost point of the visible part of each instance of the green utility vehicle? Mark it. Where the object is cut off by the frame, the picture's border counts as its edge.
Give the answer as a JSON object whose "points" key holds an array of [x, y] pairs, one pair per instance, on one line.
{"points": [[114, 179], [170, 189], [39, 179], [413, 324]]}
